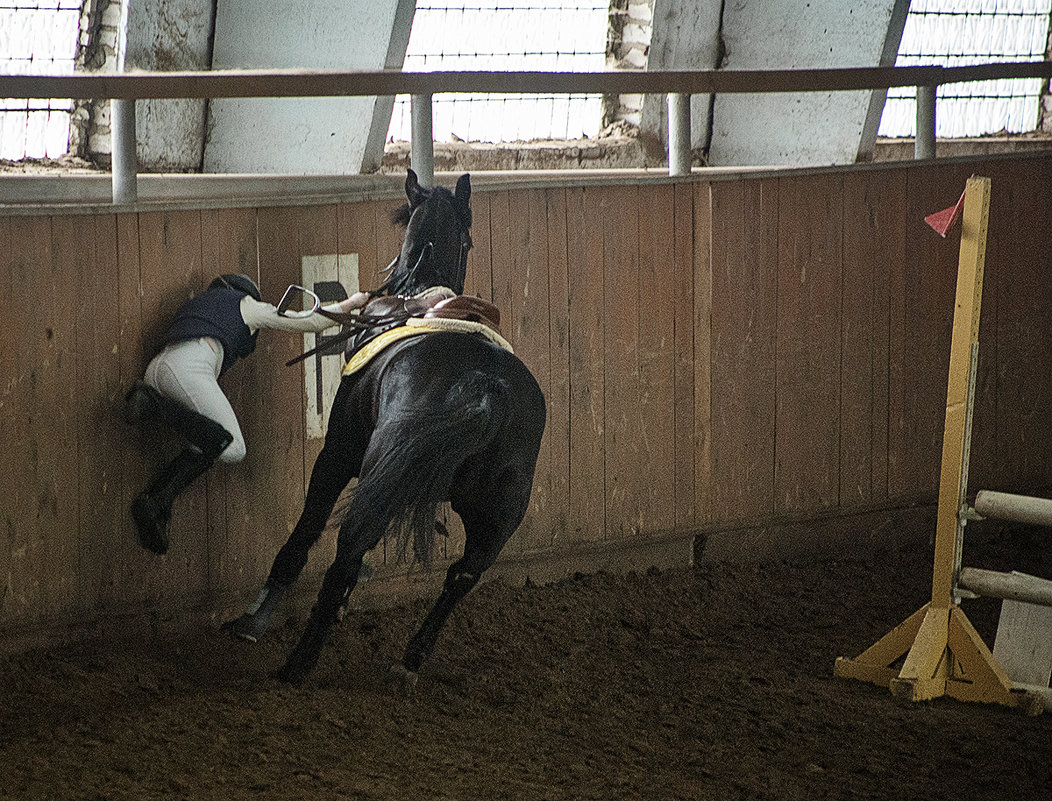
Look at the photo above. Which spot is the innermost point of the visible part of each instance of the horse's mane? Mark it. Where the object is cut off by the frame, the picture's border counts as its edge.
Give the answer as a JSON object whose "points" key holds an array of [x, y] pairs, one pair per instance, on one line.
{"points": [[401, 215]]}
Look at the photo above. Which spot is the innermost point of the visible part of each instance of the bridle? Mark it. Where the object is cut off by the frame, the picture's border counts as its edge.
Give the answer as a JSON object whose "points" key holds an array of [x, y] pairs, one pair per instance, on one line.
{"points": [[356, 321], [427, 251]]}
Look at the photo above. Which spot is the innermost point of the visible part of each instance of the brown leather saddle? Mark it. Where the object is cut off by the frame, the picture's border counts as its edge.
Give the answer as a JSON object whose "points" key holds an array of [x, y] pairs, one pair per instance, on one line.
{"points": [[390, 311]]}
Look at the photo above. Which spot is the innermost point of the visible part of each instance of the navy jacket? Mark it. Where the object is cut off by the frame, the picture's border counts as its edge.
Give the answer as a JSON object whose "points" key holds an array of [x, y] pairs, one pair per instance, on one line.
{"points": [[215, 313]]}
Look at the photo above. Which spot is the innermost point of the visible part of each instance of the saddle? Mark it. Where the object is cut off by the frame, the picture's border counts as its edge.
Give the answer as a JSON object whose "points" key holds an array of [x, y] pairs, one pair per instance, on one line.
{"points": [[394, 311], [387, 312]]}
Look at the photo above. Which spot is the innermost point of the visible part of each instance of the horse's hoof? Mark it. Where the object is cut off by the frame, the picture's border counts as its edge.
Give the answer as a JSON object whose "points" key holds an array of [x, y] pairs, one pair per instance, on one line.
{"points": [[246, 628], [290, 674], [365, 572], [401, 680]]}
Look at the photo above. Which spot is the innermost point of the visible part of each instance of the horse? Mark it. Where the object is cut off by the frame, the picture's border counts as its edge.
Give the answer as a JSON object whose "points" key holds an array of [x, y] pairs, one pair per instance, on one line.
{"points": [[445, 416]]}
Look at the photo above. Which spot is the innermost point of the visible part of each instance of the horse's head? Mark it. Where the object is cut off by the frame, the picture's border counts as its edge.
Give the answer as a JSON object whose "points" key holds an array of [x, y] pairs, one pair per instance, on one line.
{"points": [[437, 238]]}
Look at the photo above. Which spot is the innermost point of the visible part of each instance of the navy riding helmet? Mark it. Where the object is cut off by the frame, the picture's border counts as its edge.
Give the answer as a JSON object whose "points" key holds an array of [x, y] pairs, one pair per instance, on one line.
{"points": [[238, 282]]}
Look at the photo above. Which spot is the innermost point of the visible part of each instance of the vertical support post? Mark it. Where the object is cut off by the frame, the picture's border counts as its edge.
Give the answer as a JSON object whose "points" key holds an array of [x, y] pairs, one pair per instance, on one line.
{"points": [[924, 141], [123, 160], [960, 390], [422, 147], [678, 134]]}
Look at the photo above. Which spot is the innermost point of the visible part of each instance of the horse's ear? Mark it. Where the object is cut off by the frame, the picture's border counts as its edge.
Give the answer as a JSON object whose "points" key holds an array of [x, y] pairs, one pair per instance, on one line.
{"points": [[463, 192], [413, 190]]}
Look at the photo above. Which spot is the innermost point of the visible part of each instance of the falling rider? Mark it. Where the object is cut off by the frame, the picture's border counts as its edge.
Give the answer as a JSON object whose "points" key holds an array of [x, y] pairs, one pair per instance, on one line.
{"points": [[180, 388]]}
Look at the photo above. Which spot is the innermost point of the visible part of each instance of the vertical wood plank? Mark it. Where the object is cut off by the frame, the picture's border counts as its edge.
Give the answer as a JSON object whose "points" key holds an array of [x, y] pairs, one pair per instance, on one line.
{"points": [[1010, 438], [744, 319], [97, 402], [529, 237], [356, 233], [621, 397], [480, 261], [54, 422], [11, 420], [703, 409], [32, 518], [874, 250], [558, 398], [656, 356], [388, 237], [502, 243], [584, 224], [137, 456], [685, 436], [807, 415]]}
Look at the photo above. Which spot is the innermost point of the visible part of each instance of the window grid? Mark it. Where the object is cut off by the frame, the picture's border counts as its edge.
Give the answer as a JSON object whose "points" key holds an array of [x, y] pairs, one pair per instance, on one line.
{"points": [[40, 37], [37, 37], [955, 33], [544, 35]]}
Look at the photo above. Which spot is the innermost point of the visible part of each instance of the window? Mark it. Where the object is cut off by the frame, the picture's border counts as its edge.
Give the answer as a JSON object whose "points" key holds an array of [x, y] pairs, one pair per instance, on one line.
{"points": [[959, 32], [507, 35], [38, 37]]}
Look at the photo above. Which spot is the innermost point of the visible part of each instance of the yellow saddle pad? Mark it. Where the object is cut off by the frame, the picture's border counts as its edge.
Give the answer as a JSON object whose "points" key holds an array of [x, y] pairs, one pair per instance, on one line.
{"points": [[417, 326]]}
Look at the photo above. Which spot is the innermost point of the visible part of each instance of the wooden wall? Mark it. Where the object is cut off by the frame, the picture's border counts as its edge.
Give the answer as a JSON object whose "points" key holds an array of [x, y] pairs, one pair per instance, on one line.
{"points": [[714, 353]]}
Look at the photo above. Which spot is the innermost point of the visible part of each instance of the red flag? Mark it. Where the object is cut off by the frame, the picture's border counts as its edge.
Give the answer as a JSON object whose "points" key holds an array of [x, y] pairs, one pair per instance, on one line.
{"points": [[942, 221]]}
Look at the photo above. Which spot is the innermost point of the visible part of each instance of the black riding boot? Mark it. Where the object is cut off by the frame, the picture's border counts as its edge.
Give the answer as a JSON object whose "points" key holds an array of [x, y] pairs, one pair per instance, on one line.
{"points": [[152, 510], [143, 404]]}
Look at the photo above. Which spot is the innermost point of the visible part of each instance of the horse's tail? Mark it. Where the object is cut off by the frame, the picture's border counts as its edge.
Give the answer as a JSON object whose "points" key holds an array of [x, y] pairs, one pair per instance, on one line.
{"points": [[419, 454]]}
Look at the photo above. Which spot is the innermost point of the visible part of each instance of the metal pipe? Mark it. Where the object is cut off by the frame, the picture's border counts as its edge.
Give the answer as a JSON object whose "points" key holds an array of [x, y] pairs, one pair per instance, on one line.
{"points": [[1013, 586], [123, 160], [679, 134], [422, 147], [1020, 508], [924, 142]]}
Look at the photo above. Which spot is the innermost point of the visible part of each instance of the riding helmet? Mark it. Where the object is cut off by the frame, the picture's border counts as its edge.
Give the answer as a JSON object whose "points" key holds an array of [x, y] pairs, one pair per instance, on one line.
{"points": [[239, 282]]}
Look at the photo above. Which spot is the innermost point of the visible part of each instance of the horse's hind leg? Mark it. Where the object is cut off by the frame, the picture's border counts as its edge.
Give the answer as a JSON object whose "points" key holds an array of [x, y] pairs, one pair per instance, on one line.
{"points": [[483, 543], [357, 536], [333, 470]]}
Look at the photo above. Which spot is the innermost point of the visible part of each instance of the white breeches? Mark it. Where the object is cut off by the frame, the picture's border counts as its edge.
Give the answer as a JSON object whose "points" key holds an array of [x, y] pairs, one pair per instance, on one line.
{"points": [[188, 372]]}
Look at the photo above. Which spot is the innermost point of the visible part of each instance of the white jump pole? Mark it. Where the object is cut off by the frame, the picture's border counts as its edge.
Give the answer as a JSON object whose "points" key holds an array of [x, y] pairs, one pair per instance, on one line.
{"points": [[1019, 508], [1013, 586]]}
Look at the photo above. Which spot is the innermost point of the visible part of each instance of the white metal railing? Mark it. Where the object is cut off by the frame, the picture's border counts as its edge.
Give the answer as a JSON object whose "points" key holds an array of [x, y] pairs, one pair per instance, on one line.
{"points": [[679, 85]]}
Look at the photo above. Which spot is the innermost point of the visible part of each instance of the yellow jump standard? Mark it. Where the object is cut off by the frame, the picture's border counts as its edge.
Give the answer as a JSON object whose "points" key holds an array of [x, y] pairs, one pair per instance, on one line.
{"points": [[944, 653]]}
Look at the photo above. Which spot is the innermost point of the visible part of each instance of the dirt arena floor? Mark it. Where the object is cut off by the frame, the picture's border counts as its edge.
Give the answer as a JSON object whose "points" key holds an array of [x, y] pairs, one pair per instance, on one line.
{"points": [[711, 683]]}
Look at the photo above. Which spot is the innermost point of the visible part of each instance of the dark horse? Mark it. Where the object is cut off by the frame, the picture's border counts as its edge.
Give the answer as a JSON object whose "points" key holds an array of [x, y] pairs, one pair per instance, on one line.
{"points": [[445, 416]]}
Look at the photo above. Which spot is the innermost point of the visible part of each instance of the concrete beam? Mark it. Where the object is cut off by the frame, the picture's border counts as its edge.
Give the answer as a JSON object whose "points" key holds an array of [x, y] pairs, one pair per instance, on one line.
{"points": [[304, 135], [685, 35], [167, 36], [817, 127]]}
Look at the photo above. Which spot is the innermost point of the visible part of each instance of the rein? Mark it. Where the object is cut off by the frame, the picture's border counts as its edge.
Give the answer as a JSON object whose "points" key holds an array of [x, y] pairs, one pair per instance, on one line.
{"points": [[355, 322]]}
